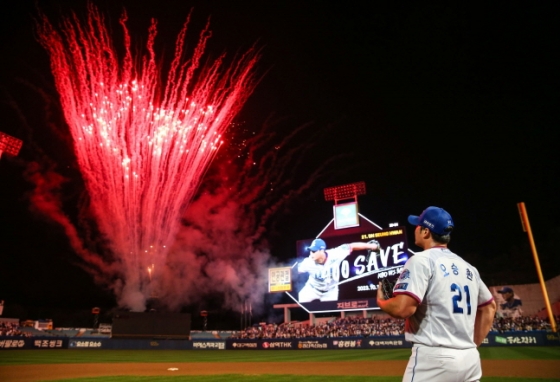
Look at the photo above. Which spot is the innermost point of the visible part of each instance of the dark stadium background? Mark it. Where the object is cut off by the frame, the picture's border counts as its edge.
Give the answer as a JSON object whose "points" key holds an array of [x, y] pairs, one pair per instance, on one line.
{"points": [[452, 105]]}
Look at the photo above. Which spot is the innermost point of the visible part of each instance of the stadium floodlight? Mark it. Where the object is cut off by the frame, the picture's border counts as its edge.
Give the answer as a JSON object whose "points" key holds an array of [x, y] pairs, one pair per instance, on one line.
{"points": [[345, 214], [9, 144], [347, 191]]}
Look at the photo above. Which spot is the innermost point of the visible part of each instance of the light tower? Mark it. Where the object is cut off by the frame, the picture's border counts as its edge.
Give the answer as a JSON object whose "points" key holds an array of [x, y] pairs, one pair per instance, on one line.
{"points": [[9, 144], [345, 213]]}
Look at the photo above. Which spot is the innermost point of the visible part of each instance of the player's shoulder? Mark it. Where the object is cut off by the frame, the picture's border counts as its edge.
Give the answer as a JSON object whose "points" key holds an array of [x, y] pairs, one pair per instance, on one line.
{"points": [[435, 255], [306, 260], [306, 263], [422, 256], [341, 250], [344, 247], [438, 252], [420, 259]]}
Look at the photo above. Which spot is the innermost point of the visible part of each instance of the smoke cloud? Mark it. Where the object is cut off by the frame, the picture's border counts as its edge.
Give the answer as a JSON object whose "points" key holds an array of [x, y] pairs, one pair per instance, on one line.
{"points": [[222, 247]]}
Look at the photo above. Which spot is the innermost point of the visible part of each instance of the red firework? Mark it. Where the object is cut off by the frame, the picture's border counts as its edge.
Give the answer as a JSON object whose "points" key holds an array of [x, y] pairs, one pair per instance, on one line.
{"points": [[143, 144]]}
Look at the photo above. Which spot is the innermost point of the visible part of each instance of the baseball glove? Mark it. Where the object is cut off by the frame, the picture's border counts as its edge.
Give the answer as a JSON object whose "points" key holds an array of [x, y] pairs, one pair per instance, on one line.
{"points": [[387, 286], [372, 252]]}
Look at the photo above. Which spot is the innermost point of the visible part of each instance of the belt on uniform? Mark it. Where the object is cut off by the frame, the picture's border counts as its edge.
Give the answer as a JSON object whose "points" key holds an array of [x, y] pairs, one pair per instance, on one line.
{"points": [[322, 291]]}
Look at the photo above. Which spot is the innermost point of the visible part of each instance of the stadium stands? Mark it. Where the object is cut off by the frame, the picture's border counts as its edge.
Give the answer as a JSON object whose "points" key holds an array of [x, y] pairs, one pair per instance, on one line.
{"points": [[371, 327], [352, 326]]}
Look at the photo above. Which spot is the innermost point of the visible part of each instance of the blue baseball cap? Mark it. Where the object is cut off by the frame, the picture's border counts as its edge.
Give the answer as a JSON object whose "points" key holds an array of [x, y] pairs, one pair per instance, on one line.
{"points": [[435, 219], [506, 290], [317, 245]]}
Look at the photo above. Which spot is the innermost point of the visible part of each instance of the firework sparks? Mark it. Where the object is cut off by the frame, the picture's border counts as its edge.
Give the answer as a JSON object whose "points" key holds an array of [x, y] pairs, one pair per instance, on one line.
{"points": [[231, 220], [142, 144]]}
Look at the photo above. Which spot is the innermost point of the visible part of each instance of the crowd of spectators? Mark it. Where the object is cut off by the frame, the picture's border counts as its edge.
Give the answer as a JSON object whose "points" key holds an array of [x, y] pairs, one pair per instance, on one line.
{"points": [[352, 326], [12, 330], [370, 327], [341, 327], [520, 324]]}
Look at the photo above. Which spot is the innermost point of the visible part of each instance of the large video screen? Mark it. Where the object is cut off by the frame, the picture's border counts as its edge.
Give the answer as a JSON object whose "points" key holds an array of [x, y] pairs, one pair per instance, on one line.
{"points": [[347, 277]]}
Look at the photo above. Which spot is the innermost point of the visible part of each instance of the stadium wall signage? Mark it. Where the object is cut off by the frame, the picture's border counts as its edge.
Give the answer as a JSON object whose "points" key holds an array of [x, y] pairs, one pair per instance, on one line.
{"points": [[532, 338]]}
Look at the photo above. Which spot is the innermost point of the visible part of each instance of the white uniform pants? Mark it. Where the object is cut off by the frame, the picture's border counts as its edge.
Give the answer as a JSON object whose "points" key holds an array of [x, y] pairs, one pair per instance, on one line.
{"points": [[439, 364], [308, 294]]}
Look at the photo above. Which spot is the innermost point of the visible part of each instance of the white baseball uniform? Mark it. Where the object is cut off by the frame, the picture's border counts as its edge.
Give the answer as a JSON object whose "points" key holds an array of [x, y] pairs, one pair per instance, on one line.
{"points": [[448, 290], [323, 278]]}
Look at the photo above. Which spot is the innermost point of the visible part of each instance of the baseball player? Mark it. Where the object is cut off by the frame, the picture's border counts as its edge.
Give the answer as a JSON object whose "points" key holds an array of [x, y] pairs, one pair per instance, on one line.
{"points": [[511, 307], [448, 308], [323, 267]]}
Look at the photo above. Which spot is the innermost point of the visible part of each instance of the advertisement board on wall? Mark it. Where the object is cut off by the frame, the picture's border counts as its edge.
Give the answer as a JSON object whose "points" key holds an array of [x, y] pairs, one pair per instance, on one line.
{"points": [[494, 339]]}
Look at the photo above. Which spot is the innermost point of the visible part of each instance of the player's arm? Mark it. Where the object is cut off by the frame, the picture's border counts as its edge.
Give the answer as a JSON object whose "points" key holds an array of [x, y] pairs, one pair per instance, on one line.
{"points": [[373, 245], [400, 306], [483, 321], [305, 265], [407, 292]]}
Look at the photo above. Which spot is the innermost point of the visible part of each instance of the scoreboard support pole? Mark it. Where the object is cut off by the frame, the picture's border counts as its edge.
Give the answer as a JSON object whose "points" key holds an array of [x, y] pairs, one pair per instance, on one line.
{"points": [[287, 312]]}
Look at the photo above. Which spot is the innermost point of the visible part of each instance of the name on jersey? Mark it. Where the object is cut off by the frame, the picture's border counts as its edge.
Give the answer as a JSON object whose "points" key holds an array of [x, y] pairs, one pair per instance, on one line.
{"points": [[455, 271]]}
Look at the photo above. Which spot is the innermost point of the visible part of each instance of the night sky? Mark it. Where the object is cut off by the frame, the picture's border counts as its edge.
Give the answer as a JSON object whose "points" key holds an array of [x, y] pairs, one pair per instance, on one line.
{"points": [[450, 105]]}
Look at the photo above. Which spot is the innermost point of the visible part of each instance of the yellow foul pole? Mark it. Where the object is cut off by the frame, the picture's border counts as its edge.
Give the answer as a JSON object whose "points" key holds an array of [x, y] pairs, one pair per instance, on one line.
{"points": [[527, 228]]}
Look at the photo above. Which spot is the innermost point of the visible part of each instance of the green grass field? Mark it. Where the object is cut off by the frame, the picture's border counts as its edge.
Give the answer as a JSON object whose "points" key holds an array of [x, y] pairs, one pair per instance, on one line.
{"points": [[37, 357], [275, 378], [31, 357]]}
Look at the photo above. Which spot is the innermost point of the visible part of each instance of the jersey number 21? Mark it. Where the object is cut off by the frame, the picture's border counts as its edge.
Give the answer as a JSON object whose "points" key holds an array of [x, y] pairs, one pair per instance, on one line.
{"points": [[458, 299]]}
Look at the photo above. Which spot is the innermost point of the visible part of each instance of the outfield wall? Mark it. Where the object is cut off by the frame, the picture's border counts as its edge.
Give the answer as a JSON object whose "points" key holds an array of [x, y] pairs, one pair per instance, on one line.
{"points": [[534, 338]]}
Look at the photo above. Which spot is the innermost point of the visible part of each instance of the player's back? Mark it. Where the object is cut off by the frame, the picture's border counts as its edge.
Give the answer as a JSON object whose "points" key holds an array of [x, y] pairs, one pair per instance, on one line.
{"points": [[450, 289]]}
